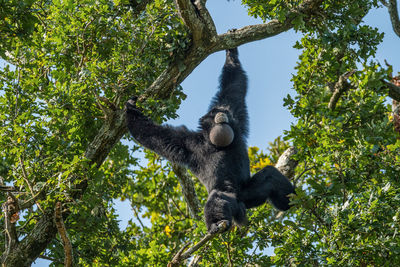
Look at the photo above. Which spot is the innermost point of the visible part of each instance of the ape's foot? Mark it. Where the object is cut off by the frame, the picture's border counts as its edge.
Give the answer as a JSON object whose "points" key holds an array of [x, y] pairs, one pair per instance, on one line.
{"points": [[219, 227]]}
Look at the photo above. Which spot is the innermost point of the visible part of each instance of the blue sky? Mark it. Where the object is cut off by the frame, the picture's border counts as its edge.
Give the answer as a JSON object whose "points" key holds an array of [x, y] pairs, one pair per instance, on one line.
{"points": [[269, 65]]}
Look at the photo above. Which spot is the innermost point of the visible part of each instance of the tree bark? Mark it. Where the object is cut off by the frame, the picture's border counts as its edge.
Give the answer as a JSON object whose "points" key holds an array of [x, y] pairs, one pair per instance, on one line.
{"points": [[394, 15]]}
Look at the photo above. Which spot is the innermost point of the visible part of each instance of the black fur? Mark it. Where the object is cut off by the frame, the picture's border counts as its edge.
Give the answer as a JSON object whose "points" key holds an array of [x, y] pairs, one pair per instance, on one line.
{"points": [[225, 172]]}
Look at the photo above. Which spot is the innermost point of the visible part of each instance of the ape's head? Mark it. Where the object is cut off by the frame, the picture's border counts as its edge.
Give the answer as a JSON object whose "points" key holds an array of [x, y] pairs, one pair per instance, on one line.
{"points": [[217, 125]]}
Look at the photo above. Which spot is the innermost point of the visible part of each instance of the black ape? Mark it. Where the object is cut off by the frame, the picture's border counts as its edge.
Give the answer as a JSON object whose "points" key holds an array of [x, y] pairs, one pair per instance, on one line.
{"points": [[217, 152]]}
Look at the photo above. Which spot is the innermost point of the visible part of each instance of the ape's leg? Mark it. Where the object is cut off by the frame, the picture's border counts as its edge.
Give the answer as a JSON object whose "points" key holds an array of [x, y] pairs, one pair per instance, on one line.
{"points": [[222, 208], [269, 183]]}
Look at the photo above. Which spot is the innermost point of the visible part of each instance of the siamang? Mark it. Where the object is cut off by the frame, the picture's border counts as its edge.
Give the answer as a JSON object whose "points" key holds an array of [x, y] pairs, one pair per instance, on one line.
{"points": [[217, 152]]}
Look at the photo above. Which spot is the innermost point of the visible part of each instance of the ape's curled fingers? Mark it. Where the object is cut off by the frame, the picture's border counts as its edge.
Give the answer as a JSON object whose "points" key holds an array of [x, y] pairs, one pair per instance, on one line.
{"points": [[220, 227]]}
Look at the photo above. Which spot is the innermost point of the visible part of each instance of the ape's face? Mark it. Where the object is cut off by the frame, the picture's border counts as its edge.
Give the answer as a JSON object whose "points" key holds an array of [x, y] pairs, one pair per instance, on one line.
{"points": [[217, 125]]}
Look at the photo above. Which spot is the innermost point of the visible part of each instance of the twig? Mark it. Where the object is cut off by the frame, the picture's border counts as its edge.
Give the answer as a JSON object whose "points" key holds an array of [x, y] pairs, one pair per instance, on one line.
{"points": [[68, 260], [9, 188], [50, 259], [25, 176], [228, 250], [180, 256], [196, 259], [137, 216], [295, 180], [177, 207]]}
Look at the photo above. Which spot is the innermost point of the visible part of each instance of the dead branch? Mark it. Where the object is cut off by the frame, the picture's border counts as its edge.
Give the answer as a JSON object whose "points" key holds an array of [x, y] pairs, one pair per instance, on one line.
{"points": [[68, 260]]}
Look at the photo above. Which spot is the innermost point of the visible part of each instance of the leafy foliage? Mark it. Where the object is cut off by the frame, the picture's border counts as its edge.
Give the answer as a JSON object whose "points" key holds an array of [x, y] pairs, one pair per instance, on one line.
{"points": [[69, 62]]}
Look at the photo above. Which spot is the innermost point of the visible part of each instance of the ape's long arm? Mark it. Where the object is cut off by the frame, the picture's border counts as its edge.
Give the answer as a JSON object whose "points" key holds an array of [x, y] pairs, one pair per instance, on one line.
{"points": [[173, 143], [233, 89]]}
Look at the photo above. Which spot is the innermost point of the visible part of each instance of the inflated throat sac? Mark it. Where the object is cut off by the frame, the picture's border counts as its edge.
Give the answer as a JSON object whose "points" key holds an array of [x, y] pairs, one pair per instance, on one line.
{"points": [[221, 135]]}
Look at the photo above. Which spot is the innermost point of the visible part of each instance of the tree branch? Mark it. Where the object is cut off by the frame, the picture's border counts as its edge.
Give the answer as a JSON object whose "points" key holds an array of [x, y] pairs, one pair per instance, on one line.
{"points": [[261, 31], [138, 6], [68, 256], [394, 91], [286, 164], [394, 15], [188, 191], [25, 176], [7, 188], [34, 243], [181, 256], [340, 87], [197, 18], [396, 107], [183, 65], [45, 229], [11, 215]]}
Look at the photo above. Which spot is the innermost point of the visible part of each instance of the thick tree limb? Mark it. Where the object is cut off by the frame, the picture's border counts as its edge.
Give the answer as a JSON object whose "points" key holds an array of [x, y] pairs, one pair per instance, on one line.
{"points": [[394, 90], [197, 18], [34, 243], [182, 66], [396, 107], [394, 15], [261, 31], [286, 164], [110, 133], [11, 215]]}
